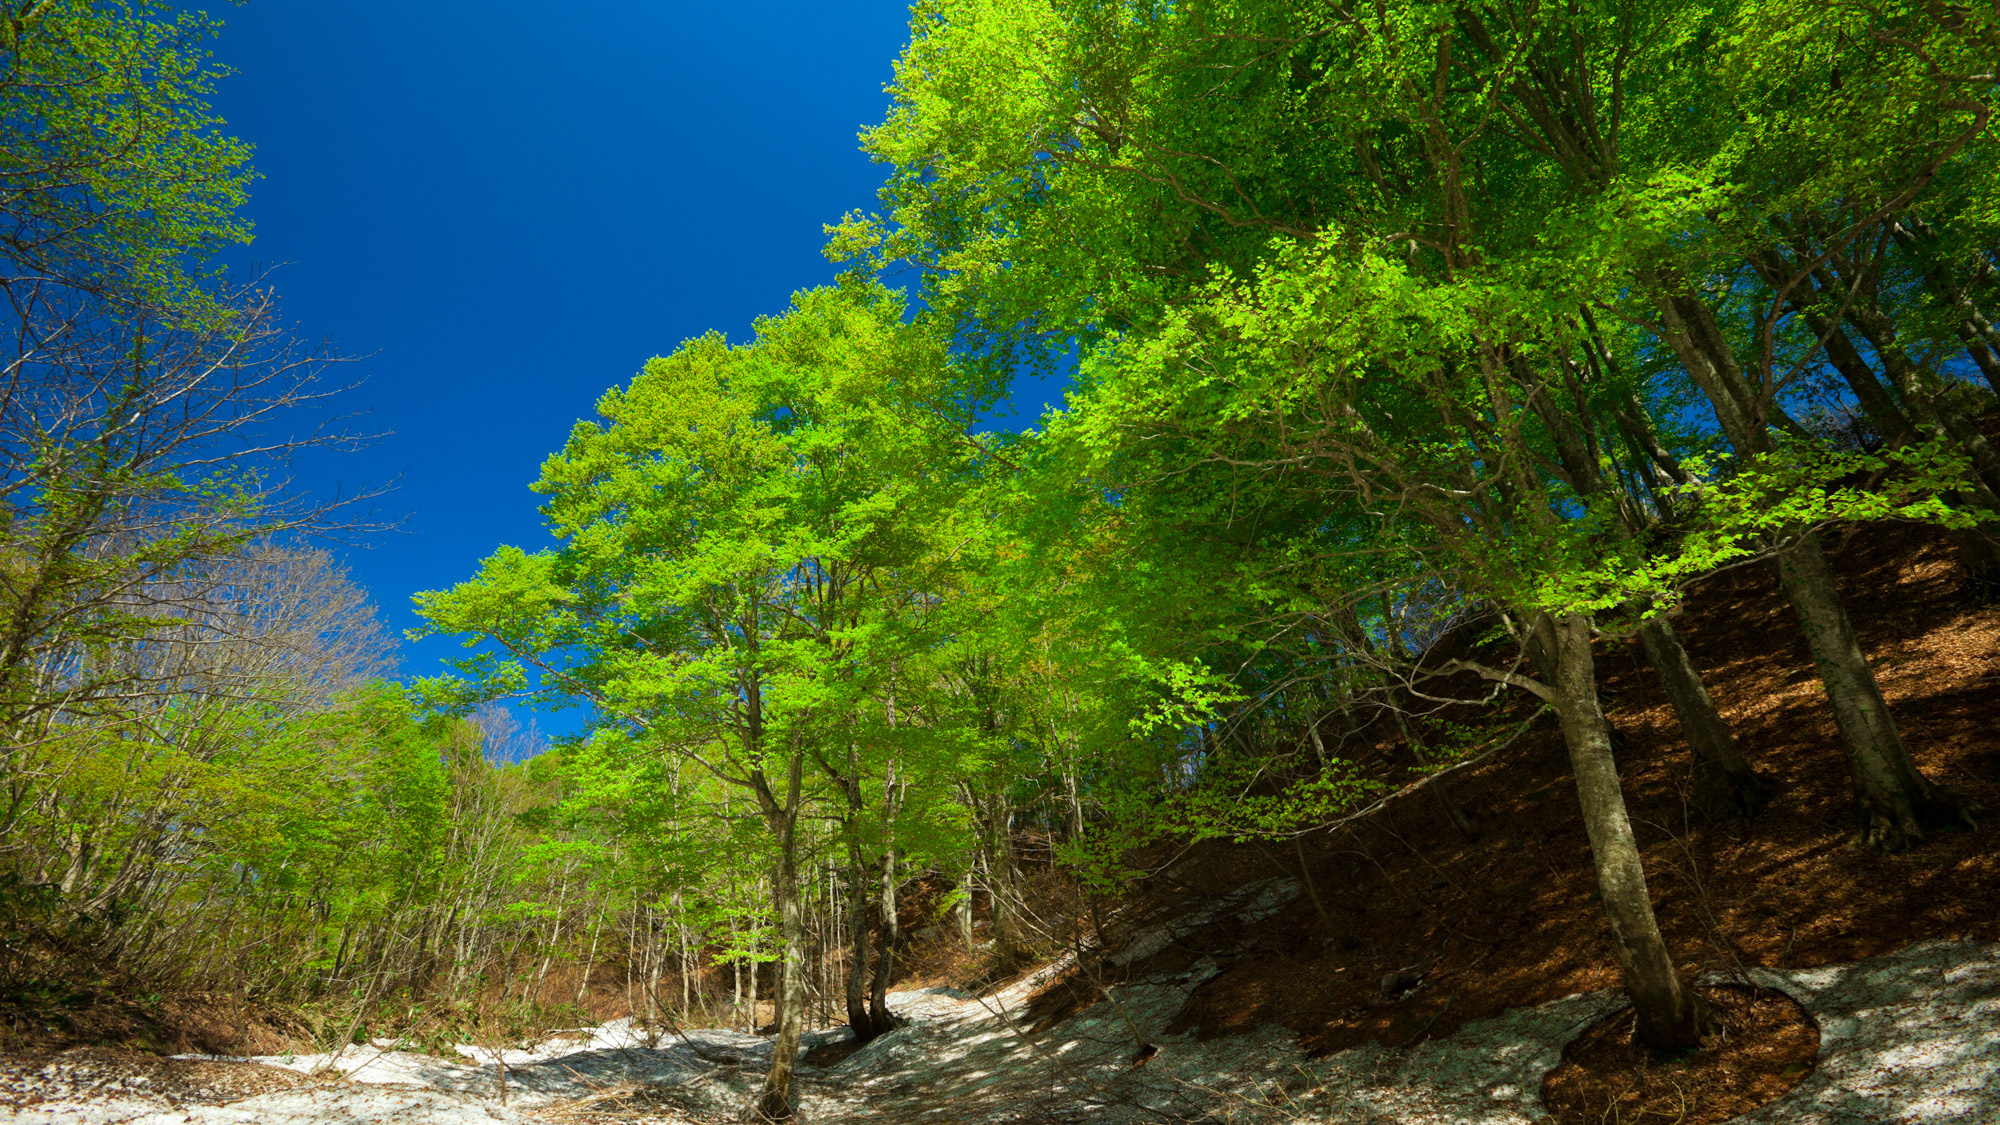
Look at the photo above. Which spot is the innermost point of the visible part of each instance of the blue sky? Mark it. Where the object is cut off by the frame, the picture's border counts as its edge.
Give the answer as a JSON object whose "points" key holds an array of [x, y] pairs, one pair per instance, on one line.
{"points": [[506, 209]]}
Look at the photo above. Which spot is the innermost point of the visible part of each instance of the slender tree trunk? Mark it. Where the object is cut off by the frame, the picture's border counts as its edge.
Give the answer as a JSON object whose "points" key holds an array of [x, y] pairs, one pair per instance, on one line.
{"points": [[533, 993], [1889, 420], [1446, 803], [775, 1103], [687, 961], [1978, 553], [1895, 805], [753, 971], [589, 961], [857, 926], [1397, 708], [885, 958], [1724, 783], [1974, 330], [964, 911], [654, 958], [1670, 1015], [1000, 896]]}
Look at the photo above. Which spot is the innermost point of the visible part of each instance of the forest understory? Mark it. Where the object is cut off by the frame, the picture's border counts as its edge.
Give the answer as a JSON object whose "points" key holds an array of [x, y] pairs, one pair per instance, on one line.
{"points": [[1409, 932], [1511, 919]]}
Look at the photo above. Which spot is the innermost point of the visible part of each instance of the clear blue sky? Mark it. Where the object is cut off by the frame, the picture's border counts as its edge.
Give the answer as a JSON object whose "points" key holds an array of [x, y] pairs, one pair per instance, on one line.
{"points": [[508, 208]]}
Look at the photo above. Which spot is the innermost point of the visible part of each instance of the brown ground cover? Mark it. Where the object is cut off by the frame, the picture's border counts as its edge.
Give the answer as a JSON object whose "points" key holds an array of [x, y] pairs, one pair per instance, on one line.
{"points": [[110, 1070], [1513, 918], [46, 1013], [1764, 1047]]}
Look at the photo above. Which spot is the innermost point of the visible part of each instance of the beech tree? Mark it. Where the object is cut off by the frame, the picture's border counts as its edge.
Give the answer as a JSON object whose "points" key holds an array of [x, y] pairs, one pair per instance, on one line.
{"points": [[1380, 181], [739, 534], [1734, 200]]}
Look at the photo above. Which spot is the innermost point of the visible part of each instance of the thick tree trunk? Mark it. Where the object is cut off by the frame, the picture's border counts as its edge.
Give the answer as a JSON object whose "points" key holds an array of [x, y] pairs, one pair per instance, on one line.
{"points": [[775, 1103], [885, 958], [857, 925], [1724, 783], [1670, 1016], [1895, 805]]}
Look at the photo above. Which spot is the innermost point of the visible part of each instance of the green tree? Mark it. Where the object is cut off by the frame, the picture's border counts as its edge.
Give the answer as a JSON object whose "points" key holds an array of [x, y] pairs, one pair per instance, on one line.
{"points": [[738, 535]]}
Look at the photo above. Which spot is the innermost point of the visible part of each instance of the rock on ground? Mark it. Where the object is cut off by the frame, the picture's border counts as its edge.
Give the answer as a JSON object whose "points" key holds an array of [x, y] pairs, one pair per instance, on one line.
{"points": [[1910, 1037]]}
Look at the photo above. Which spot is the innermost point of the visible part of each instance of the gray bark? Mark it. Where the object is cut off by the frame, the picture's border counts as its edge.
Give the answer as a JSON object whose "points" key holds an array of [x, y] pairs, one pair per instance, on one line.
{"points": [[1000, 886], [1895, 805], [880, 1018], [1724, 783], [964, 911], [776, 1103], [857, 925], [1982, 356], [1670, 1016]]}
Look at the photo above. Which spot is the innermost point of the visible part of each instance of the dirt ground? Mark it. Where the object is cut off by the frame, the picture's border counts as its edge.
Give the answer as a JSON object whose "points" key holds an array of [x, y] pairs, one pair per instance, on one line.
{"points": [[1762, 1045]]}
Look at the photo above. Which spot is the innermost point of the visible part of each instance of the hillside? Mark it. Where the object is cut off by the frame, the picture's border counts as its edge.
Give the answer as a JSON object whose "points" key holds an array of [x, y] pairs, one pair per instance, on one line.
{"points": [[1512, 918]]}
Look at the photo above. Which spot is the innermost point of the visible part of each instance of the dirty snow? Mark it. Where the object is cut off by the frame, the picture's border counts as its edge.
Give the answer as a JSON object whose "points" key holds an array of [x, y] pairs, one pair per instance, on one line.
{"points": [[1910, 1037]]}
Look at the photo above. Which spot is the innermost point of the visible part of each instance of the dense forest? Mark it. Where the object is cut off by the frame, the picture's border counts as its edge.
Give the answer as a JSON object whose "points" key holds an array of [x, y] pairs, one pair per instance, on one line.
{"points": [[1419, 356]]}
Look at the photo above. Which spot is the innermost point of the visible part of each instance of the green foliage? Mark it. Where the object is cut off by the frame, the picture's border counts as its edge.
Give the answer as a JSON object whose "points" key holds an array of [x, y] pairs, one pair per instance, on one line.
{"points": [[1384, 327], [118, 176]]}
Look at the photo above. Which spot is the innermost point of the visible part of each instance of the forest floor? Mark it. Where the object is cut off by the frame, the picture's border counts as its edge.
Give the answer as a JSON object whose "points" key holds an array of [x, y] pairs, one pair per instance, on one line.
{"points": [[1913, 1037]]}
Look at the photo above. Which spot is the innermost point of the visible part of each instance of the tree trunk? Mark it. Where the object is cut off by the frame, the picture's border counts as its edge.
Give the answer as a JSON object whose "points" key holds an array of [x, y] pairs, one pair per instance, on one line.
{"points": [[736, 975], [1670, 1016], [654, 959], [775, 1102], [1979, 559], [1891, 424], [1000, 896], [1918, 239], [1922, 395], [1982, 356], [857, 925], [885, 959], [1449, 806], [964, 910], [1724, 783], [1895, 805], [589, 961]]}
